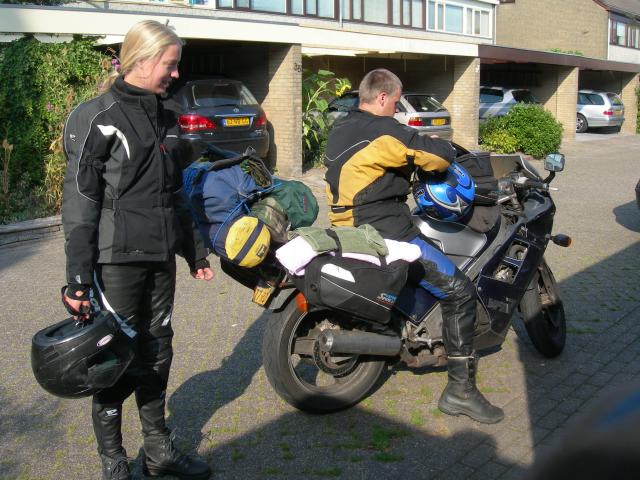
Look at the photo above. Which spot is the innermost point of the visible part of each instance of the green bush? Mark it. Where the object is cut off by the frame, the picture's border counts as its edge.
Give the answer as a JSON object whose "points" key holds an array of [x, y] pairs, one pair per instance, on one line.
{"points": [[526, 128], [317, 89], [41, 83]]}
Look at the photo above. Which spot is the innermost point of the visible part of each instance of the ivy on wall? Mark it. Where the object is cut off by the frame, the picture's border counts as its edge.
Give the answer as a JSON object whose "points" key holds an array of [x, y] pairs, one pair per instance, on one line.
{"points": [[41, 83]]}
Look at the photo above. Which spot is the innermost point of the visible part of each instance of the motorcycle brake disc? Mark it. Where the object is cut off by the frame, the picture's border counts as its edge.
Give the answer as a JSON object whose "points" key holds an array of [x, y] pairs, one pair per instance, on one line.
{"points": [[337, 366]]}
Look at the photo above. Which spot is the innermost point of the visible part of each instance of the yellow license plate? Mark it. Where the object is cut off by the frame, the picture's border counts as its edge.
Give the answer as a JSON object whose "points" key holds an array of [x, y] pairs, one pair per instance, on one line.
{"points": [[438, 121], [262, 294], [236, 122], [617, 112]]}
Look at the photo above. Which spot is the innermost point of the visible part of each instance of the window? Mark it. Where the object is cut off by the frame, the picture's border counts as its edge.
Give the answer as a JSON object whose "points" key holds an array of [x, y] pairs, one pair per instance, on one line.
{"points": [[490, 95], [625, 34], [321, 8], [614, 99], [458, 18], [375, 11], [453, 17], [523, 96], [424, 103], [219, 94]]}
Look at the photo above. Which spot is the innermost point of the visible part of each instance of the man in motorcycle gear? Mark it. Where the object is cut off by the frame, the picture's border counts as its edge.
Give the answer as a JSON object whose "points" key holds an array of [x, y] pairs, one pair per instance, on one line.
{"points": [[370, 158]]}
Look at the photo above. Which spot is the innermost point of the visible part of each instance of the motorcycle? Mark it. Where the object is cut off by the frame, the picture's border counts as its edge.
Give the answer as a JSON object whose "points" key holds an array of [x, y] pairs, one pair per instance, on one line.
{"points": [[324, 360]]}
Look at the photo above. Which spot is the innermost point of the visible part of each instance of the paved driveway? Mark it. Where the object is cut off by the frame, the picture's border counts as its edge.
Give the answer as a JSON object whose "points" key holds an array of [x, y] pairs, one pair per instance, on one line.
{"points": [[225, 409]]}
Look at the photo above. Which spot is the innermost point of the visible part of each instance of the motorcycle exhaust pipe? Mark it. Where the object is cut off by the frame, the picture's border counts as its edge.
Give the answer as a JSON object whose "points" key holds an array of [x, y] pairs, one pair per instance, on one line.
{"points": [[361, 343]]}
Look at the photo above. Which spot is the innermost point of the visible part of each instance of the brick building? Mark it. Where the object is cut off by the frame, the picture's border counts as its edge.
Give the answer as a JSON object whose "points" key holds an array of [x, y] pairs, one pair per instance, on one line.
{"points": [[444, 47]]}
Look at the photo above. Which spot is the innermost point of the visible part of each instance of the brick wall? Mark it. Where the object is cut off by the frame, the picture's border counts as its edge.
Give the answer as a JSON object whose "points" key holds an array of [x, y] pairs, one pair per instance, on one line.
{"points": [[629, 84], [580, 25], [463, 101], [283, 106], [557, 92]]}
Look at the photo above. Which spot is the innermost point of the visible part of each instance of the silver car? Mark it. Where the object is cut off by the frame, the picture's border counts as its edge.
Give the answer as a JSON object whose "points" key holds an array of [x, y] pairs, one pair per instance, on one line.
{"points": [[599, 109], [497, 101], [417, 110]]}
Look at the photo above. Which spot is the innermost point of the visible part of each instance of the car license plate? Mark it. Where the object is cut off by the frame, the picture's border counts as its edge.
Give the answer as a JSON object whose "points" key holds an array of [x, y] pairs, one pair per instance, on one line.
{"points": [[262, 294], [236, 122], [617, 112], [438, 121]]}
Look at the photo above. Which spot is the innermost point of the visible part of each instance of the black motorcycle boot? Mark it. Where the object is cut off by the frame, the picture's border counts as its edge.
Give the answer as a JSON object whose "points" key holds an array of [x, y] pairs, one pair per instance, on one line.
{"points": [[161, 457], [462, 397], [107, 421]]}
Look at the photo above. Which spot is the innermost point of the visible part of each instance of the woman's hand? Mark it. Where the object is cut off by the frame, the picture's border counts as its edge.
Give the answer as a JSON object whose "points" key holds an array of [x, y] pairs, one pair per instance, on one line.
{"points": [[203, 274]]}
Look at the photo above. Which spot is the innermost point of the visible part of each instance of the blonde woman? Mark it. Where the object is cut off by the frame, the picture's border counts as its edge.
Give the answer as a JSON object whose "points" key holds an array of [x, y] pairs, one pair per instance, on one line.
{"points": [[124, 222]]}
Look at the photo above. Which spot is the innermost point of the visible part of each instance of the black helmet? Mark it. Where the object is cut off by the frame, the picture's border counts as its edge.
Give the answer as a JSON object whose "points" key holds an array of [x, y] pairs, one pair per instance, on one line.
{"points": [[74, 359]]}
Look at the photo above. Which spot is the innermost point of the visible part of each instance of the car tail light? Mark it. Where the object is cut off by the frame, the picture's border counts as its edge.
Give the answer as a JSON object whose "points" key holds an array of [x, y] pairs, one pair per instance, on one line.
{"points": [[608, 112], [261, 121], [193, 123], [415, 122]]}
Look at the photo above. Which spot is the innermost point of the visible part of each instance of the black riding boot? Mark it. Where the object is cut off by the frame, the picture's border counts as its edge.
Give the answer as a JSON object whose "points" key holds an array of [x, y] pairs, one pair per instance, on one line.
{"points": [[161, 457], [462, 397], [107, 420]]}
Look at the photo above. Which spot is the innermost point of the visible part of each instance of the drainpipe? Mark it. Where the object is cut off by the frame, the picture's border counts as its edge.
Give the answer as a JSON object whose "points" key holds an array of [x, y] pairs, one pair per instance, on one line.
{"points": [[495, 24], [340, 12]]}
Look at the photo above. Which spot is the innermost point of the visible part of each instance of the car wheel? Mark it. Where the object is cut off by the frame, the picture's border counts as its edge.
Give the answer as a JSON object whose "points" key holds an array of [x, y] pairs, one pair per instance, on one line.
{"points": [[581, 124]]}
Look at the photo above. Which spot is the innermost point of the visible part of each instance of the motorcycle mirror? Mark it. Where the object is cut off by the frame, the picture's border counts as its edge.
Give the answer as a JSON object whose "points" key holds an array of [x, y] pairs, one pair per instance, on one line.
{"points": [[554, 162]]}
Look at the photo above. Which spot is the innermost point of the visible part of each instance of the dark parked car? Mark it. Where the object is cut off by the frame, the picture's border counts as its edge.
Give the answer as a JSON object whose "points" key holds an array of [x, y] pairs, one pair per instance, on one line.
{"points": [[417, 110], [221, 112]]}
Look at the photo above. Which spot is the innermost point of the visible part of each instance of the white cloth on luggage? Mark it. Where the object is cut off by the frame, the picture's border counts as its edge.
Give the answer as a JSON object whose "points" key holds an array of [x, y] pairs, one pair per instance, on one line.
{"points": [[297, 253]]}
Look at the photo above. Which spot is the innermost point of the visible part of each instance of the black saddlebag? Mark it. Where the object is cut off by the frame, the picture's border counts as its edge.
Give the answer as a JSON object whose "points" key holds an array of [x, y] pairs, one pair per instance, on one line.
{"points": [[478, 164], [356, 287]]}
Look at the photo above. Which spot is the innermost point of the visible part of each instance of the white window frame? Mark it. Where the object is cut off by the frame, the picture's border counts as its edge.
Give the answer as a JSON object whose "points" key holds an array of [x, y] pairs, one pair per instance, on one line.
{"points": [[465, 18]]}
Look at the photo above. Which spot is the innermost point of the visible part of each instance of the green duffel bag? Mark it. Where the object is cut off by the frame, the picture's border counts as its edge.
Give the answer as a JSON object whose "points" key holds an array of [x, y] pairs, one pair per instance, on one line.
{"points": [[297, 201]]}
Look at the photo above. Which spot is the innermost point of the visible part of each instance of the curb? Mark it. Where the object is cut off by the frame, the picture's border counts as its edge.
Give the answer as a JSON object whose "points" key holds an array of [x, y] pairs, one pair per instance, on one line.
{"points": [[30, 230]]}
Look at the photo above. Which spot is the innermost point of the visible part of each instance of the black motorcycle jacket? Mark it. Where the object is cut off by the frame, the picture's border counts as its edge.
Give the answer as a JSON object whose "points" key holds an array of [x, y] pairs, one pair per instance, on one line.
{"points": [[369, 161], [122, 199]]}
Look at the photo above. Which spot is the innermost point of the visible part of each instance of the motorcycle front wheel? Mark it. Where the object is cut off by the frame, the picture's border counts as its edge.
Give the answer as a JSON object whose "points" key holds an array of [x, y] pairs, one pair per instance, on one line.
{"points": [[303, 375], [543, 314]]}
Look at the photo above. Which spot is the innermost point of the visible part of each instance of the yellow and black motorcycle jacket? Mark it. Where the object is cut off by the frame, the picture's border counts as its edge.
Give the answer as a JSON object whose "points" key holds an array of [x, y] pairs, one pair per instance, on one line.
{"points": [[369, 161]]}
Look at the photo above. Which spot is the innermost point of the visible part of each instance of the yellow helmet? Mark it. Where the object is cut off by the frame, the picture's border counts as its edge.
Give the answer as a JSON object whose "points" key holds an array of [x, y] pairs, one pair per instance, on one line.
{"points": [[247, 241]]}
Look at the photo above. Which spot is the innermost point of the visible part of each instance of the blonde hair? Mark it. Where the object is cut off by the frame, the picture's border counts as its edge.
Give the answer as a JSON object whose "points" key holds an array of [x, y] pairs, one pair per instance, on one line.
{"points": [[378, 81], [145, 40]]}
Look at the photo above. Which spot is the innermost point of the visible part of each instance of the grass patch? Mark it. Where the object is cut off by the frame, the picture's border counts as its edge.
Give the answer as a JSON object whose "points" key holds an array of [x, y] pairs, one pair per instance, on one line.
{"points": [[328, 472], [355, 459], [236, 453], [417, 418], [580, 331], [435, 411], [386, 457], [426, 393], [286, 452], [272, 471], [382, 437]]}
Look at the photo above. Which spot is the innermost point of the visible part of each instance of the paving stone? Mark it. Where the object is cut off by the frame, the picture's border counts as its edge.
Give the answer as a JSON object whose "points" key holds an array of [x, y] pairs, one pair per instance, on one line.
{"points": [[225, 409]]}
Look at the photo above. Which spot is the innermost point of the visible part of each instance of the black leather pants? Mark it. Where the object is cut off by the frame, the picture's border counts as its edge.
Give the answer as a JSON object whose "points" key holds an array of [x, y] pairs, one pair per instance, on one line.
{"points": [[456, 293], [141, 295]]}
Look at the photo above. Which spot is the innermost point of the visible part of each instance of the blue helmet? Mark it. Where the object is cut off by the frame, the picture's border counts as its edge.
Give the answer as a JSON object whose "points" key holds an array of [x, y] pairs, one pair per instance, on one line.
{"points": [[447, 196]]}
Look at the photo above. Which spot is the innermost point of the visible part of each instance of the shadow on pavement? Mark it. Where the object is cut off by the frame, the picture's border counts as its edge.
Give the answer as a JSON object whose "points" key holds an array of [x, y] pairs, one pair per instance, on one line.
{"points": [[628, 215], [197, 400], [354, 444], [602, 306]]}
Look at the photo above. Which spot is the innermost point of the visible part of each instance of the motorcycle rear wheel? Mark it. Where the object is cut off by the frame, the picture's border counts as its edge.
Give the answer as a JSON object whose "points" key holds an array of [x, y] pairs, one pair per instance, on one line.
{"points": [[307, 378], [543, 314]]}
